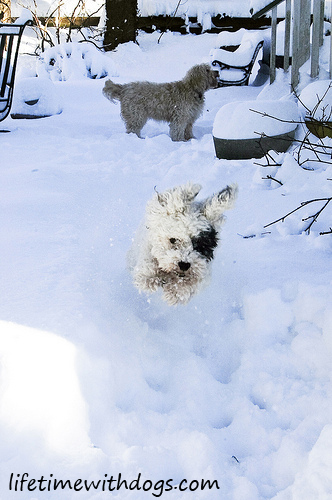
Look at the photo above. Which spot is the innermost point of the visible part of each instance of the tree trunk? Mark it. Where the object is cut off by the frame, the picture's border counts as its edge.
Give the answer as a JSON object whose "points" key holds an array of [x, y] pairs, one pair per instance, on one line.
{"points": [[120, 22], [5, 11]]}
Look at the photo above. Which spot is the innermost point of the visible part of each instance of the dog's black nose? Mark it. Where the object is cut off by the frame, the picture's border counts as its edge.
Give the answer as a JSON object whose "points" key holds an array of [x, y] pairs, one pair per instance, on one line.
{"points": [[184, 266]]}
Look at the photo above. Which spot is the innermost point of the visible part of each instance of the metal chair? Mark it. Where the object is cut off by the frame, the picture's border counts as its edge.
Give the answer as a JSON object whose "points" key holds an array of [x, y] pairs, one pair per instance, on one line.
{"points": [[235, 66], [10, 39]]}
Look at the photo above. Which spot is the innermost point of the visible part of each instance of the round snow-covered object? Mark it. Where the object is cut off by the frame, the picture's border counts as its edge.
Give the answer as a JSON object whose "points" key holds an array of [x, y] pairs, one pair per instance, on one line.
{"points": [[251, 119], [35, 97], [250, 129], [316, 100]]}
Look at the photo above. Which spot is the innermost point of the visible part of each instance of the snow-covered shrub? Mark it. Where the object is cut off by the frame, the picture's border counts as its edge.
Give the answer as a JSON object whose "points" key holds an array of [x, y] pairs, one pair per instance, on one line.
{"points": [[75, 60]]}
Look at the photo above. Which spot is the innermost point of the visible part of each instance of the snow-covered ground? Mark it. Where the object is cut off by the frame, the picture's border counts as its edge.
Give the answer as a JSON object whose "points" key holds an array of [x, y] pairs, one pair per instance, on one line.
{"points": [[98, 380]]}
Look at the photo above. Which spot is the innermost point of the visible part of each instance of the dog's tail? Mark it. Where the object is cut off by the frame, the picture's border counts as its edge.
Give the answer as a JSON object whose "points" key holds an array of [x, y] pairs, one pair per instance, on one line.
{"points": [[112, 90]]}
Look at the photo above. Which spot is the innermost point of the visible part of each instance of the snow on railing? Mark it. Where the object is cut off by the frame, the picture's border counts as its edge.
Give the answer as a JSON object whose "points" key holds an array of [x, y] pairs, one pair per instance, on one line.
{"points": [[299, 22]]}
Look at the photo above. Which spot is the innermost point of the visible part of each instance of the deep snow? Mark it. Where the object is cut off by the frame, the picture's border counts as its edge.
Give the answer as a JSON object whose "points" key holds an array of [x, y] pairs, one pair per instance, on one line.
{"points": [[97, 379]]}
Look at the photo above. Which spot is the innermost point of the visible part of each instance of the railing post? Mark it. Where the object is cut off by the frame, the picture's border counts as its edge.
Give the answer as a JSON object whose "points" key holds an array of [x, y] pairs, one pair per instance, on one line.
{"points": [[330, 69], [296, 43], [301, 37], [288, 18], [304, 35], [322, 12], [273, 49], [316, 37], [298, 24]]}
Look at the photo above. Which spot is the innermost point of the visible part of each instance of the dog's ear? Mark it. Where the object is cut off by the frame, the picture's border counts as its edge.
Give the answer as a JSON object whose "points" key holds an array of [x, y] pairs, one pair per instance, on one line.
{"points": [[214, 207], [180, 196], [190, 191]]}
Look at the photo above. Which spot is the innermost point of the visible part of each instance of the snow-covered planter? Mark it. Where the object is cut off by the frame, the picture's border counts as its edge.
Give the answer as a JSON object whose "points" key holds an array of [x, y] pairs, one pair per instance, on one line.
{"points": [[315, 105], [250, 129], [35, 98]]}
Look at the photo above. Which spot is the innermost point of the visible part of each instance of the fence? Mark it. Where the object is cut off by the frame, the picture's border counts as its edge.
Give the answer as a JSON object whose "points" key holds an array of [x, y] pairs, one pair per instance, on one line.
{"points": [[300, 22]]}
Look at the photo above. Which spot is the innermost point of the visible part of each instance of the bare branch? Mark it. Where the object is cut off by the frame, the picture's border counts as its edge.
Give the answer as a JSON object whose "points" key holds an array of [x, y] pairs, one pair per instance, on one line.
{"points": [[315, 216], [269, 177], [326, 232], [267, 115], [303, 204], [174, 14]]}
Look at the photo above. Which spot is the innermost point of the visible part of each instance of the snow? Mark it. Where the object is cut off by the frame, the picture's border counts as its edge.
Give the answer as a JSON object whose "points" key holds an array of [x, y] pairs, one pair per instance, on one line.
{"points": [[24, 17], [194, 8], [226, 38], [97, 379], [316, 100], [36, 392], [257, 5]]}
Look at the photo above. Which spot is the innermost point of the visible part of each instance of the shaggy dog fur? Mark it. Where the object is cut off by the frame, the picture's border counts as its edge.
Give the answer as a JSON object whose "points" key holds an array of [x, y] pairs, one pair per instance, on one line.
{"points": [[175, 245], [177, 103]]}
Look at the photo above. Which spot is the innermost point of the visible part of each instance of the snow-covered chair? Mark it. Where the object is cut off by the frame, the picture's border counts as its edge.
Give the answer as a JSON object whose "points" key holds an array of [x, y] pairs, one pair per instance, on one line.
{"points": [[35, 97], [10, 39], [236, 56]]}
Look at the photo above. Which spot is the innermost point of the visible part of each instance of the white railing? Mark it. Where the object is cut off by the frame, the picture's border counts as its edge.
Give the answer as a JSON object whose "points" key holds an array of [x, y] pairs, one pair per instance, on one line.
{"points": [[299, 21]]}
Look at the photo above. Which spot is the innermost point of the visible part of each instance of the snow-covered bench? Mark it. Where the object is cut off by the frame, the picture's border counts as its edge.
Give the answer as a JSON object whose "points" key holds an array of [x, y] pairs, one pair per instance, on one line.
{"points": [[10, 39], [236, 56]]}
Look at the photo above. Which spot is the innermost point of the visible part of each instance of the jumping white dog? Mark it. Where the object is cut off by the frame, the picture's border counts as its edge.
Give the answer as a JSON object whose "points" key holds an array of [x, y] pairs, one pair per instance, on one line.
{"points": [[174, 248]]}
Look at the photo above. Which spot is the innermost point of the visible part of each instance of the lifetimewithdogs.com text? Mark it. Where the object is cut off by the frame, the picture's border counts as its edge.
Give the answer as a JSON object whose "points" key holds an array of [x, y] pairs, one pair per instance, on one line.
{"points": [[23, 482]]}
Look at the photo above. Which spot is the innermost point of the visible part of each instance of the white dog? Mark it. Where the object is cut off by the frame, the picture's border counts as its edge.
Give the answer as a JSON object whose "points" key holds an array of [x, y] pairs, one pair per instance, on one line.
{"points": [[174, 248]]}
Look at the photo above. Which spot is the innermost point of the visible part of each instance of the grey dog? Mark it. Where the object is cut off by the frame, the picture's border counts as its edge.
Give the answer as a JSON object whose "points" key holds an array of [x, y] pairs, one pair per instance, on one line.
{"points": [[178, 103]]}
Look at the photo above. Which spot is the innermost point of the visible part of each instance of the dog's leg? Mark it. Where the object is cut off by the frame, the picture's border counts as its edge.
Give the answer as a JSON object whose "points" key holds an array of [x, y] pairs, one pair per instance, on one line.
{"points": [[188, 133], [181, 293], [134, 121], [134, 126], [176, 131], [146, 275], [147, 283], [132, 129]]}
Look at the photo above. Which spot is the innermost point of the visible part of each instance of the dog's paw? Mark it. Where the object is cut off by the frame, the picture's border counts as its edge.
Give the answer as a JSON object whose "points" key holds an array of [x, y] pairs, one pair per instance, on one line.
{"points": [[174, 295], [147, 283]]}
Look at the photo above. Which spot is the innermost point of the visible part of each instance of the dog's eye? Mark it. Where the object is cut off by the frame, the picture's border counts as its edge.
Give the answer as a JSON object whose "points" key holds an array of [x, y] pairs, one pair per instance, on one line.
{"points": [[172, 240]]}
